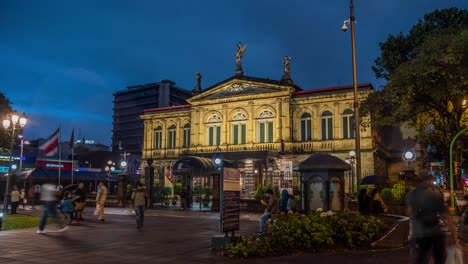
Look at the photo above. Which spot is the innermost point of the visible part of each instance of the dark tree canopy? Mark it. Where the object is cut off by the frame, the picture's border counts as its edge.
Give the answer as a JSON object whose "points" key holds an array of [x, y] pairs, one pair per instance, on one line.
{"points": [[399, 49], [427, 91], [5, 109]]}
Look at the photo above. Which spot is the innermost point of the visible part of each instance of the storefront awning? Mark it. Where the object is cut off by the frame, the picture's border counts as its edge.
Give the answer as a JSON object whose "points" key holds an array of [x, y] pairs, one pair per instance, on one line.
{"points": [[197, 166]]}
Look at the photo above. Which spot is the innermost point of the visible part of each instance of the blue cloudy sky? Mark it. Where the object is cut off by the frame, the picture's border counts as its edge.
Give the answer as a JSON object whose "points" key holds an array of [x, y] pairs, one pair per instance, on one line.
{"points": [[61, 61]]}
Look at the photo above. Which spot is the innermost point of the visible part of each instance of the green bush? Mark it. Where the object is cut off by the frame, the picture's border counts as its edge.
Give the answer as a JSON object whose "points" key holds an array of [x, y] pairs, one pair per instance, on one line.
{"points": [[309, 233], [177, 188], [166, 191], [261, 190], [387, 194], [399, 191]]}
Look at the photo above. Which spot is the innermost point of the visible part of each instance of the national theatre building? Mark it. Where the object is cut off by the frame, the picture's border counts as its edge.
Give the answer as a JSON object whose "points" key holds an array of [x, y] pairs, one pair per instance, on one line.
{"points": [[263, 127]]}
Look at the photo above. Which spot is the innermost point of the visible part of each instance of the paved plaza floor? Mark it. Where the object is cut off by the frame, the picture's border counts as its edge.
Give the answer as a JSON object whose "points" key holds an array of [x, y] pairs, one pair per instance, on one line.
{"points": [[168, 236]]}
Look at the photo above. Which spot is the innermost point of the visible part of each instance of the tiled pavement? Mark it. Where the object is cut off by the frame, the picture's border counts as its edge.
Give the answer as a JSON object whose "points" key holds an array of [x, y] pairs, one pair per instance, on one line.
{"points": [[168, 237]]}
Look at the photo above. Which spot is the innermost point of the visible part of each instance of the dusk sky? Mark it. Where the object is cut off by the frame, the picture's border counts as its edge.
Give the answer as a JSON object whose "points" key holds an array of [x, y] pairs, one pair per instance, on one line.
{"points": [[61, 61]]}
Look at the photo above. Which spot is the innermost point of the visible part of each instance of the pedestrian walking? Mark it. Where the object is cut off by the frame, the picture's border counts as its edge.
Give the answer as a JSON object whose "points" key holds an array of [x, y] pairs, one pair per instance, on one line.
{"points": [[272, 207], [49, 199], [79, 198], [139, 200], [426, 208], [15, 197], [101, 197]]}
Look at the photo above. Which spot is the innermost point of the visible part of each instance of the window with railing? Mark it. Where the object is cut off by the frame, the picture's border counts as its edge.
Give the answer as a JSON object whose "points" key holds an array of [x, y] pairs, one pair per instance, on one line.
{"points": [[265, 127], [158, 138], [214, 130], [186, 139], [306, 127], [327, 125], [348, 124], [239, 129], [171, 137]]}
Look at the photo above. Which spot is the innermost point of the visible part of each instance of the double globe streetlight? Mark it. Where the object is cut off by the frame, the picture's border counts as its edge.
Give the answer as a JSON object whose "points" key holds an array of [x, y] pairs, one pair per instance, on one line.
{"points": [[11, 124]]}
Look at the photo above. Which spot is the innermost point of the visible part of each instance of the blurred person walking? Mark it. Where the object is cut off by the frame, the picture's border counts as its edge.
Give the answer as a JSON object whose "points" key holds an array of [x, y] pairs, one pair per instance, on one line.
{"points": [[425, 208], [49, 197], [139, 198], [15, 197]]}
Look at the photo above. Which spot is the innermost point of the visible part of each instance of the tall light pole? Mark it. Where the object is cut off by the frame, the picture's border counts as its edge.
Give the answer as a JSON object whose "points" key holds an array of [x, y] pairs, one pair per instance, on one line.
{"points": [[352, 21], [12, 121], [21, 153], [110, 167]]}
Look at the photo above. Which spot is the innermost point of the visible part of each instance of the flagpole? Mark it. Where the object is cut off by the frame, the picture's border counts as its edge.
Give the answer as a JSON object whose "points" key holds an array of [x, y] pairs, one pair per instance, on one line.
{"points": [[72, 144], [60, 154]]}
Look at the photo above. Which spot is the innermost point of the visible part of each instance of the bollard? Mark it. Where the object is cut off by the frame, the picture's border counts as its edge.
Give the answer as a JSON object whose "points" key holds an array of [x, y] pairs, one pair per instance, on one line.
{"points": [[1, 221]]}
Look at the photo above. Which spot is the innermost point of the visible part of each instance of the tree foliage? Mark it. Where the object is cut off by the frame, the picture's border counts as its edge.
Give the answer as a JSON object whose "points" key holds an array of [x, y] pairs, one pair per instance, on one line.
{"points": [[5, 110], [426, 92], [399, 49]]}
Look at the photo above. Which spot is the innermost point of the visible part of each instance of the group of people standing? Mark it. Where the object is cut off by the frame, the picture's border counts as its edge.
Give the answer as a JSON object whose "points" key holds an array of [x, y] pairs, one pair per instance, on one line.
{"points": [[71, 203]]}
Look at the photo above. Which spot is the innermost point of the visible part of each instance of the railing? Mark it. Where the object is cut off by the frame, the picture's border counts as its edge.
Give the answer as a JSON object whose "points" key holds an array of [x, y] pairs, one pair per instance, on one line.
{"points": [[298, 147]]}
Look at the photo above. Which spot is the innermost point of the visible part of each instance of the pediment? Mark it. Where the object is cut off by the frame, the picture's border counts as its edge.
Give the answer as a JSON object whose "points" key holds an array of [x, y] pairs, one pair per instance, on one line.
{"points": [[245, 86]]}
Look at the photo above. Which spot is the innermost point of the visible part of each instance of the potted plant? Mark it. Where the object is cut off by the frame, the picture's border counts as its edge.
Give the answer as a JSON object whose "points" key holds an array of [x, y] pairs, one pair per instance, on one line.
{"points": [[207, 196], [166, 192], [175, 199]]}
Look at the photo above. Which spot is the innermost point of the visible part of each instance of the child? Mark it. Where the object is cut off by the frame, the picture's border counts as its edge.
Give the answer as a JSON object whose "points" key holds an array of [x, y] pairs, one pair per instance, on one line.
{"points": [[68, 207]]}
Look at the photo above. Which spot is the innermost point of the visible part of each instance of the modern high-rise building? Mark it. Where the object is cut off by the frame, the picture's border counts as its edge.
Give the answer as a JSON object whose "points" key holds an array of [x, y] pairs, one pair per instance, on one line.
{"points": [[127, 132]]}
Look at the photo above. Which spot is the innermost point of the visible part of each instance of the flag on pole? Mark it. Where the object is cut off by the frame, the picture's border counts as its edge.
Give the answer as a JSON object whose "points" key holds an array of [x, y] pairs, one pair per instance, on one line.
{"points": [[72, 139], [50, 146]]}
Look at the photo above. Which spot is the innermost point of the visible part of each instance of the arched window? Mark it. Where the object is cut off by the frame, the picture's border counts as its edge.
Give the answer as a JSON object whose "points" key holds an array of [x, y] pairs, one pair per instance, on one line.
{"points": [[171, 137], [158, 138], [186, 141], [348, 124], [327, 125], [306, 127], [265, 127], [214, 130], [239, 129]]}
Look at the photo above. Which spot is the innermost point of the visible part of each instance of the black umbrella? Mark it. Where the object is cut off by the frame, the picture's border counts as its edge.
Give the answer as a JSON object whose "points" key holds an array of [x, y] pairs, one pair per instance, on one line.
{"points": [[375, 180]]}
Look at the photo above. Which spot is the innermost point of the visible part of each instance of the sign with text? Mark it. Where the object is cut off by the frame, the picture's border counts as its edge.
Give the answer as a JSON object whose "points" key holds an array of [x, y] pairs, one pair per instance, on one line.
{"points": [[231, 200], [231, 177], [55, 164]]}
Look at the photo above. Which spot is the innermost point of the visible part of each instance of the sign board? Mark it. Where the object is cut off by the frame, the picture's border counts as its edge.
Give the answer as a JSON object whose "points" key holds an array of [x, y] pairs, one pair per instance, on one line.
{"points": [[231, 200], [55, 164]]}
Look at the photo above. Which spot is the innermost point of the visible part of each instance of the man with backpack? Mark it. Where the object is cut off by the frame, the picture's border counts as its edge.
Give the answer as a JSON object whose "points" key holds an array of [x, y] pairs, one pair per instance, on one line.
{"points": [[287, 204], [425, 208]]}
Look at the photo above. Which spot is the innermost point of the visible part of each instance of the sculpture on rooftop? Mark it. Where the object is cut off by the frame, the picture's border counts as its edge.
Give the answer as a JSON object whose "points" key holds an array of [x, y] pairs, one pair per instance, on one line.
{"points": [[239, 53]]}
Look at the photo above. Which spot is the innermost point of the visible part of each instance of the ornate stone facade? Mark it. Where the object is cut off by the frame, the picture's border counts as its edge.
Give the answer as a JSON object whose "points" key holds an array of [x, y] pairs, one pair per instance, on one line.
{"points": [[258, 124]]}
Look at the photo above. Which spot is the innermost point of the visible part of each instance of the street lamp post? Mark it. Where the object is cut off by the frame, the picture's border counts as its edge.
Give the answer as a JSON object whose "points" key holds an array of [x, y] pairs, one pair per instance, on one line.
{"points": [[12, 121], [352, 21], [110, 167], [21, 153], [452, 198]]}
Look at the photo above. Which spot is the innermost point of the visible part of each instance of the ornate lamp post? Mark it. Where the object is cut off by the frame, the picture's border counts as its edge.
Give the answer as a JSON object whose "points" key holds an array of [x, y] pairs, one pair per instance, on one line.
{"points": [[218, 163], [10, 124], [110, 167], [351, 160], [352, 21]]}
